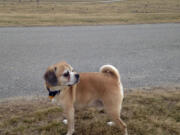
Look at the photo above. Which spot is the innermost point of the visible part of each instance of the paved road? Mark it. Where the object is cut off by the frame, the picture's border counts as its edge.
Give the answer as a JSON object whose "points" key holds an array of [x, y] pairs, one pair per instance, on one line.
{"points": [[146, 55]]}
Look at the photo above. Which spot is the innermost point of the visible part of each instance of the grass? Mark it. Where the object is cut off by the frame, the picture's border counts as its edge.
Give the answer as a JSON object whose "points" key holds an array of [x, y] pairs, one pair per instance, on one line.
{"points": [[147, 111], [88, 12]]}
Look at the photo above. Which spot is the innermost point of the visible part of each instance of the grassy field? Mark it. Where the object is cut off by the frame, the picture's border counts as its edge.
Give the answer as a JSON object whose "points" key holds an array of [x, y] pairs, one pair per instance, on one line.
{"points": [[147, 111], [87, 12]]}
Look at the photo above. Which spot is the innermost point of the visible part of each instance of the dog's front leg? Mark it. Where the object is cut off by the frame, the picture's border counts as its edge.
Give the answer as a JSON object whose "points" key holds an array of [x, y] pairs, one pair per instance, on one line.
{"points": [[70, 118]]}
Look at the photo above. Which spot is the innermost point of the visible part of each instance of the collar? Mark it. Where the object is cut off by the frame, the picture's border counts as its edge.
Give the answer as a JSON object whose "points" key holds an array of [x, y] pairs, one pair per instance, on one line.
{"points": [[52, 94]]}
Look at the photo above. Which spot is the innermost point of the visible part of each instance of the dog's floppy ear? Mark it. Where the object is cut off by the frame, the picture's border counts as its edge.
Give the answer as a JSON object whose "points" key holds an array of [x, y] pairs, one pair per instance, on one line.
{"points": [[50, 77]]}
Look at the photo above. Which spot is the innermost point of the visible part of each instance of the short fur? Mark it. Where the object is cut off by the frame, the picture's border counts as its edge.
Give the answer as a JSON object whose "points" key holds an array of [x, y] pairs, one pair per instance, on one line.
{"points": [[104, 86]]}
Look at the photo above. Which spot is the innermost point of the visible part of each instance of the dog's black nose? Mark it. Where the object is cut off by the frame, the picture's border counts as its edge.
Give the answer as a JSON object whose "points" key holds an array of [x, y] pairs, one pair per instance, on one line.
{"points": [[77, 76], [51, 78]]}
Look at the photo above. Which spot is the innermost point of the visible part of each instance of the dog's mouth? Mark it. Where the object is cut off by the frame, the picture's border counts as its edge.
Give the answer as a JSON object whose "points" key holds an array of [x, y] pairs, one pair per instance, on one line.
{"points": [[77, 81]]}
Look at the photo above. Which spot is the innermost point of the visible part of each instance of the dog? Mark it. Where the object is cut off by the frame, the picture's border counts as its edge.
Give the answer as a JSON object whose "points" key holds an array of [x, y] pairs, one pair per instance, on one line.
{"points": [[71, 89]]}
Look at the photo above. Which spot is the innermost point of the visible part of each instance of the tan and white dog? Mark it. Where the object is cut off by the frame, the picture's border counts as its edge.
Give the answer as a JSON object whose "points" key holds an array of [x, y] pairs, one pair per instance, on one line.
{"points": [[71, 89]]}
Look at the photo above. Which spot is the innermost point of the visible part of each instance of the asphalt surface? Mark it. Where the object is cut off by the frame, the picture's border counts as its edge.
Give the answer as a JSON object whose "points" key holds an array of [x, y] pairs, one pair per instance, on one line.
{"points": [[146, 55]]}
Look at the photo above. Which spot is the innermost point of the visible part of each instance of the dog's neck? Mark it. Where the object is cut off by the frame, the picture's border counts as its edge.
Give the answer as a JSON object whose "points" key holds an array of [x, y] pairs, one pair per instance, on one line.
{"points": [[54, 93], [58, 87], [57, 90]]}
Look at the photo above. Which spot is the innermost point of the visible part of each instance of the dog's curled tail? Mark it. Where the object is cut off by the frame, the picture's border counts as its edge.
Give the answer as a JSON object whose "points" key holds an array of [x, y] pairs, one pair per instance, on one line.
{"points": [[110, 69]]}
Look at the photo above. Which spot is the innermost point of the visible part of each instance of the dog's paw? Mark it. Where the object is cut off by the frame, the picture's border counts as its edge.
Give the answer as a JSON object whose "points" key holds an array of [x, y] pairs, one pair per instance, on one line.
{"points": [[65, 121], [110, 123], [126, 132], [70, 132]]}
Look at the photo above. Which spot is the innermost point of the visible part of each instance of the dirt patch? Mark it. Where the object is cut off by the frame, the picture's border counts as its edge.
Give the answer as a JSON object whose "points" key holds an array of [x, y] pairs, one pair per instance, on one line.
{"points": [[146, 111]]}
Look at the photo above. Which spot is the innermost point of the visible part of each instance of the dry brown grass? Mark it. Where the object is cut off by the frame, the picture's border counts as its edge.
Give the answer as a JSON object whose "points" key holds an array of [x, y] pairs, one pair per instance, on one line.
{"points": [[147, 111], [88, 13]]}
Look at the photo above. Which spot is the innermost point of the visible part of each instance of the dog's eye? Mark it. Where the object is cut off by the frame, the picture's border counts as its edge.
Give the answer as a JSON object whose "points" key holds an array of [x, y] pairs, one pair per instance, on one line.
{"points": [[66, 74]]}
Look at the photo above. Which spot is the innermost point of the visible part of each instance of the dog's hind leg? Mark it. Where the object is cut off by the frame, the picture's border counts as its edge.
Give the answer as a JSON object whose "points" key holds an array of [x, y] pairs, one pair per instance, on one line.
{"points": [[113, 109], [115, 115]]}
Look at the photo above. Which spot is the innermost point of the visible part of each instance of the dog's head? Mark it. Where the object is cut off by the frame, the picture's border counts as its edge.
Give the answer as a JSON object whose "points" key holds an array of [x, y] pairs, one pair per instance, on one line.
{"points": [[60, 75]]}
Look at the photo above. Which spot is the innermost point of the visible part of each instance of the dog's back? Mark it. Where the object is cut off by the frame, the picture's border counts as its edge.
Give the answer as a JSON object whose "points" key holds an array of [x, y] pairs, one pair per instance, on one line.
{"points": [[96, 85]]}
